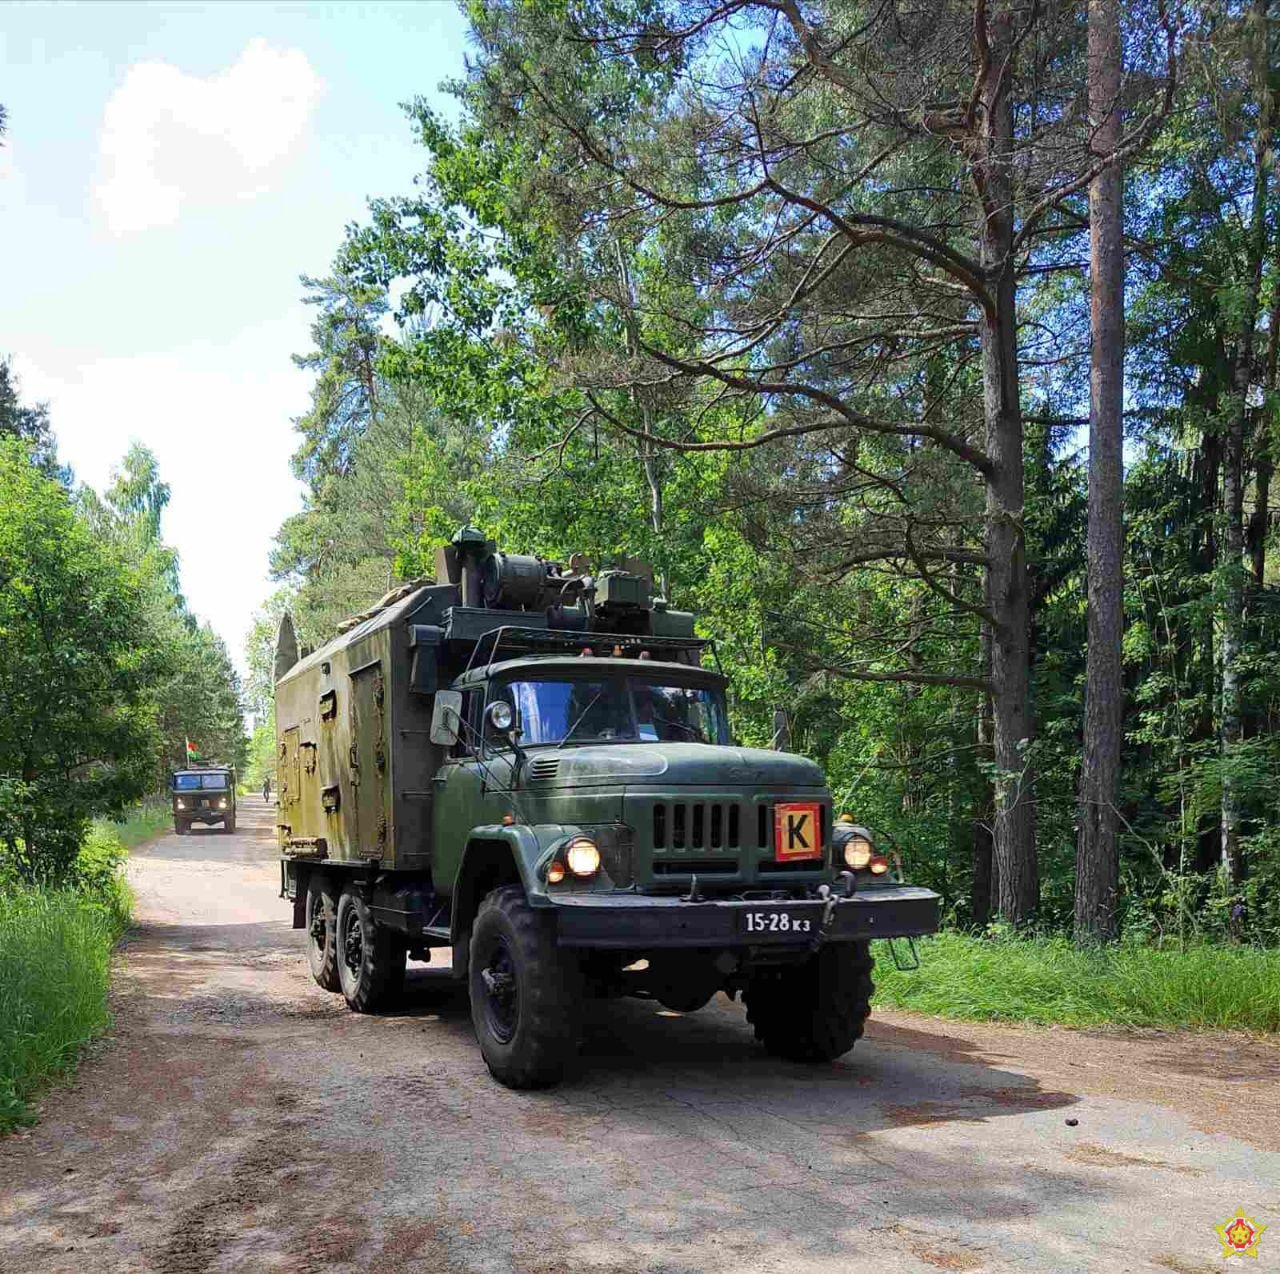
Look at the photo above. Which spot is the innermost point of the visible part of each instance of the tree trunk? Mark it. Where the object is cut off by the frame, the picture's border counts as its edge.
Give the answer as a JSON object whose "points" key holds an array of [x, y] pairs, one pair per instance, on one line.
{"points": [[1097, 847], [1017, 884], [1231, 540], [982, 891]]}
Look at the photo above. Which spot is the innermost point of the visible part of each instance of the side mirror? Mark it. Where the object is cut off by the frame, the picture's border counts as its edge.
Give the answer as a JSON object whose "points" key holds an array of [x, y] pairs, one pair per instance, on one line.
{"points": [[446, 717]]}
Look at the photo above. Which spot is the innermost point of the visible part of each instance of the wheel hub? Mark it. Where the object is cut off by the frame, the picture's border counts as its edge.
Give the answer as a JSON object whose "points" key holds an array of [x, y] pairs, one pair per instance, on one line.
{"points": [[353, 945], [501, 993]]}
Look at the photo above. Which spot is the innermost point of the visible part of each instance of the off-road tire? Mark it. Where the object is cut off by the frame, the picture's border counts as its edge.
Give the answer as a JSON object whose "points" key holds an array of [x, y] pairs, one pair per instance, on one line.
{"points": [[379, 973], [322, 957], [815, 1011], [530, 1045], [229, 825], [181, 827]]}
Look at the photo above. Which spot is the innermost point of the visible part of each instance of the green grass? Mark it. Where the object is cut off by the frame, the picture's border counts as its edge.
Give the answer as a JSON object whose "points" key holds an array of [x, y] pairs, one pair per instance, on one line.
{"points": [[1048, 980], [55, 951], [144, 822]]}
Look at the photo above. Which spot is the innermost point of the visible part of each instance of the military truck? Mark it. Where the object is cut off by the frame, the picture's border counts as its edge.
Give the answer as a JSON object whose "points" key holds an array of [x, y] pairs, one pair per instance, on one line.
{"points": [[206, 794], [532, 766]]}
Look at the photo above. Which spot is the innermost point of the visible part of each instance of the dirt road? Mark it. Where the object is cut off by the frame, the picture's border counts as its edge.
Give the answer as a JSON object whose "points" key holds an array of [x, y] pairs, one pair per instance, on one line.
{"points": [[239, 1118]]}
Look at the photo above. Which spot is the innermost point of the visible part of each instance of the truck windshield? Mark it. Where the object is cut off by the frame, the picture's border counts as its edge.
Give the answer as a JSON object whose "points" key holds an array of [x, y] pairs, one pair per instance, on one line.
{"points": [[615, 710]]}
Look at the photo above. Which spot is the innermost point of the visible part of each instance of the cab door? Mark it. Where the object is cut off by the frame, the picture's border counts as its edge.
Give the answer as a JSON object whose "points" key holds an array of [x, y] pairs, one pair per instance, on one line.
{"points": [[464, 797]]}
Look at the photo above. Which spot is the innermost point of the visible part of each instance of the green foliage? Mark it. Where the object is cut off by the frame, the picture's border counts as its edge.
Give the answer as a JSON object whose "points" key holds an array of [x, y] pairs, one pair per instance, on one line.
{"points": [[142, 823], [193, 683], [1047, 980], [77, 733], [55, 948], [261, 761]]}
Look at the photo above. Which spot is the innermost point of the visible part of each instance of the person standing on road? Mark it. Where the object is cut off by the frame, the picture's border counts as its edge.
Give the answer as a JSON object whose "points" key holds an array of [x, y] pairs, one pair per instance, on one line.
{"points": [[266, 788]]}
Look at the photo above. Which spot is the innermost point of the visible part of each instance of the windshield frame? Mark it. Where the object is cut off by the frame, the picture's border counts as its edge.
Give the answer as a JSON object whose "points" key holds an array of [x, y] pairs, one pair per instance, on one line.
{"points": [[627, 678], [225, 781]]}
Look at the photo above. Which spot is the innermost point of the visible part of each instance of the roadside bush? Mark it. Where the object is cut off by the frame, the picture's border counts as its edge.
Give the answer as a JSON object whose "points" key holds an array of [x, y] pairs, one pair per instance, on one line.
{"points": [[55, 950], [1048, 980]]}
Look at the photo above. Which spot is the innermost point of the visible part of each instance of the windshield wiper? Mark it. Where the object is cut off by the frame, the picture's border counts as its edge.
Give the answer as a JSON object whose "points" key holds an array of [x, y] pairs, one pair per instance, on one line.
{"points": [[692, 731], [581, 717]]}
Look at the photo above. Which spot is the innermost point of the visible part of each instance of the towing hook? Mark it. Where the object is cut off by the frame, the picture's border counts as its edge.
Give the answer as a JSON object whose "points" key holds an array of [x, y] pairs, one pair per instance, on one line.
{"points": [[829, 901]]}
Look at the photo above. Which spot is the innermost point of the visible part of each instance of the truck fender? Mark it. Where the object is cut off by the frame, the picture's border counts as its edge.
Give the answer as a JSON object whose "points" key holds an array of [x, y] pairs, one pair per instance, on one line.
{"points": [[497, 855]]}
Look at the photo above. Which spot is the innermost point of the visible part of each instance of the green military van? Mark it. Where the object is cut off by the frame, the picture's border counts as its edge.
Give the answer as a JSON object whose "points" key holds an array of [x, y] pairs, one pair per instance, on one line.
{"points": [[206, 795]]}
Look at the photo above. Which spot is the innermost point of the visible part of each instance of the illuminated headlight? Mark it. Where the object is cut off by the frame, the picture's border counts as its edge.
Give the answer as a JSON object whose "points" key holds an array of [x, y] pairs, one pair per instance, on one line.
{"points": [[222, 805], [853, 842], [858, 852], [182, 805], [582, 856], [879, 866]]}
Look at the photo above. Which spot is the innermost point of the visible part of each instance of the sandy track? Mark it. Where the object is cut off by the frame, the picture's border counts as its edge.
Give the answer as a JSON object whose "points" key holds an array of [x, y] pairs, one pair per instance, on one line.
{"points": [[240, 1119]]}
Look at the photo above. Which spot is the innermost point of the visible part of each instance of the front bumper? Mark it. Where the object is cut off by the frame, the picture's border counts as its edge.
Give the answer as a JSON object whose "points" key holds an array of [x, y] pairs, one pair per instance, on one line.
{"points": [[645, 922]]}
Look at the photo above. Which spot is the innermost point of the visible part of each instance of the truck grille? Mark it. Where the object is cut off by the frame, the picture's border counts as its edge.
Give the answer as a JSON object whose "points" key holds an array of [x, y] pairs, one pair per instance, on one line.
{"points": [[697, 825]]}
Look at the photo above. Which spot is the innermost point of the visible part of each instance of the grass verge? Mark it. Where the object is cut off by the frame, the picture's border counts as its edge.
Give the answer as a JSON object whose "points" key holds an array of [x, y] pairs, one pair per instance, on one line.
{"points": [[1048, 980], [144, 821], [55, 950]]}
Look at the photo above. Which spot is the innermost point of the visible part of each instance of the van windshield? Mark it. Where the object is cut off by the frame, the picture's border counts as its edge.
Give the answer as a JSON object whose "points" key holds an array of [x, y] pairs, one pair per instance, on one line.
{"points": [[614, 710], [193, 782]]}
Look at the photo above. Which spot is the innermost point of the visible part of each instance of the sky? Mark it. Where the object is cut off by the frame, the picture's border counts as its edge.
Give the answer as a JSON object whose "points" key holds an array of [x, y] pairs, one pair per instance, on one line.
{"points": [[169, 171]]}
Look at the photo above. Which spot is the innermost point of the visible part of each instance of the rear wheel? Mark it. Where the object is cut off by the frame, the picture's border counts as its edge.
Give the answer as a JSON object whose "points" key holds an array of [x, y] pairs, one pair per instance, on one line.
{"points": [[525, 992], [322, 945], [370, 960], [815, 1011]]}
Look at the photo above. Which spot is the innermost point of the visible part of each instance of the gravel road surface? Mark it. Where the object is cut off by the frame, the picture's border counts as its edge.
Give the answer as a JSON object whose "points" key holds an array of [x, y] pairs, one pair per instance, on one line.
{"points": [[239, 1118]]}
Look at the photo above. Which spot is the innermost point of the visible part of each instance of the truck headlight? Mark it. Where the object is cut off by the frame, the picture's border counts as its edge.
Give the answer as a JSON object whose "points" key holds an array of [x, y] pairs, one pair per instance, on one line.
{"points": [[582, 856], [182, 805], [222, 805], [858, 851], [853, 842]]}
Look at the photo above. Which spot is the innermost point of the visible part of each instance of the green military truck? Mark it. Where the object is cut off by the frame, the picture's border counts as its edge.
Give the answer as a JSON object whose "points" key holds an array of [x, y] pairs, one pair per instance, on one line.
{"points": [[204, 795], [530, 765]]}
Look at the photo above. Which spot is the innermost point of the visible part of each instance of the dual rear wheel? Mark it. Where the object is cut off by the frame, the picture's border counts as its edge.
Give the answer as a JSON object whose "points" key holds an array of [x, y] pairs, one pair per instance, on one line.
{"points": [[348, 950]]}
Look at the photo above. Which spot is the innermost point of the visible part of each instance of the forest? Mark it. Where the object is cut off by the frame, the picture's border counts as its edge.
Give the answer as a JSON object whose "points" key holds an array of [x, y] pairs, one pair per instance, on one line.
{"points": [[929, 352]]}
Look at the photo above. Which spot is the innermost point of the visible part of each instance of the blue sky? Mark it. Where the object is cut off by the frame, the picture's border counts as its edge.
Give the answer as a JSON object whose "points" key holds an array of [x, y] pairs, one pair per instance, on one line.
{"points": [[169, 172]]}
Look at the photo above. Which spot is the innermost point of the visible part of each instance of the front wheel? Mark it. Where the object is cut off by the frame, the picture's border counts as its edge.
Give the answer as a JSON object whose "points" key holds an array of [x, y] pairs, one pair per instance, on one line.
{"points": [[815, 1011], [370, 960], [181, 827], [525, 992]]}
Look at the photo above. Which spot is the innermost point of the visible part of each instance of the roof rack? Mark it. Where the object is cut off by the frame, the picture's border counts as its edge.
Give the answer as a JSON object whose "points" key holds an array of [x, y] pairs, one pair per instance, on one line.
{"points": [[564, 639]]}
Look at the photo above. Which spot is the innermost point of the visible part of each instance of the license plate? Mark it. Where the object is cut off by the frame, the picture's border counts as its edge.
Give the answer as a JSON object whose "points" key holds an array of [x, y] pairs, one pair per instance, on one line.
{"points": [[777, 922], [797, 831]]}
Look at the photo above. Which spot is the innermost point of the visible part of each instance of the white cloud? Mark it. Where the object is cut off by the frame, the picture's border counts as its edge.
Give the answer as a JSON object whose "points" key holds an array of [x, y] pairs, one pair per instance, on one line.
{"points": [[169, 138]]}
